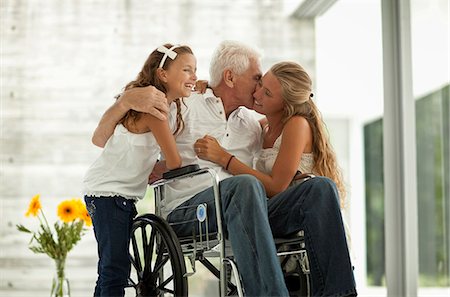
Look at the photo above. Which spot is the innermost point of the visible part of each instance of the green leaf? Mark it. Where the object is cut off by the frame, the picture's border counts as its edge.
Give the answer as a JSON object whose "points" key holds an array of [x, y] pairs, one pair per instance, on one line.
{"points": [[23, 229]]}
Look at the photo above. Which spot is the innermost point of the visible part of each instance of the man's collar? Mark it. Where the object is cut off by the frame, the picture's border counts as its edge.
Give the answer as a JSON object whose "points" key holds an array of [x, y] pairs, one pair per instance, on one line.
{"points": [[209, 94]]}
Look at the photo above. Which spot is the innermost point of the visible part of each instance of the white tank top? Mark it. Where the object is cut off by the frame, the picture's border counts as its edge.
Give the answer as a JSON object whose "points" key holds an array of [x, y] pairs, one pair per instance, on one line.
{"points": [[124, 166], [266, 159]]}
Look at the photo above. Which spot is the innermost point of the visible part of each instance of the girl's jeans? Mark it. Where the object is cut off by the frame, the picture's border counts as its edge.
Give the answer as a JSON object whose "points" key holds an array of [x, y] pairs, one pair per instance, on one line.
{"points": [[112, 218]]}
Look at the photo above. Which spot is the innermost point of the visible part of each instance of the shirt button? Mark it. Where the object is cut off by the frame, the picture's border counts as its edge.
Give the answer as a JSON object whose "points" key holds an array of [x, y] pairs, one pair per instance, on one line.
{"points": [[220, 112], [227, 134], [124, 203], [217, 101]]}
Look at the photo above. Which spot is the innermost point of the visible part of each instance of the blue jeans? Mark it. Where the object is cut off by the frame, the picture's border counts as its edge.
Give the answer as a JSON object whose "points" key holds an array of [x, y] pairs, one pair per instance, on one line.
{"points": [[112, 218], [313, 206], [244, 212]]}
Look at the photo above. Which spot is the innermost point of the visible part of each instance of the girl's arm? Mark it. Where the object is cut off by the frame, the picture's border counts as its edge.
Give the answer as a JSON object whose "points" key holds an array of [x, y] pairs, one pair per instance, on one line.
{"points": [[297, 138], [165, 139]]}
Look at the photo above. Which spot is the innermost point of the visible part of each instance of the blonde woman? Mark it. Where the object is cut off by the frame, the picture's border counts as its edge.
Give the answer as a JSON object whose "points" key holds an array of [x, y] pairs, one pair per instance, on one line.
{"points": [[295, 143]]}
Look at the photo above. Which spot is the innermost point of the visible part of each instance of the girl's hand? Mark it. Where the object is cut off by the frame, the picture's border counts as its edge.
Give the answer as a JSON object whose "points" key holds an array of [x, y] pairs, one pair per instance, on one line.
{"points": [[208, 148], [158, 170]]}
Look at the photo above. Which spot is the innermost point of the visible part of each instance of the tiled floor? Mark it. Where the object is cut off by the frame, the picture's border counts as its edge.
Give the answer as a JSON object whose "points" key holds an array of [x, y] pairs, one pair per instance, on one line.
{"points": [[61, 64]]}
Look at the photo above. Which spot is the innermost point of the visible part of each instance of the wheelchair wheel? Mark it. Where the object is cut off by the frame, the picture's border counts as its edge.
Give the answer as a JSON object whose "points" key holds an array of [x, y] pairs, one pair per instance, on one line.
{"points": [[158, 267]]}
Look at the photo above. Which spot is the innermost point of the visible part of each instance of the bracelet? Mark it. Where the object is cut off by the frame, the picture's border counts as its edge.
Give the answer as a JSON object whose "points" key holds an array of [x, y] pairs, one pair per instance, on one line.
{"points": [[229, 161]]}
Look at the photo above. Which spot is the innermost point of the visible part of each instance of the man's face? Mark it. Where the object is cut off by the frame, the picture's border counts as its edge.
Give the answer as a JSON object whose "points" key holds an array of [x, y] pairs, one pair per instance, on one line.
{"points": [[245, 84]]}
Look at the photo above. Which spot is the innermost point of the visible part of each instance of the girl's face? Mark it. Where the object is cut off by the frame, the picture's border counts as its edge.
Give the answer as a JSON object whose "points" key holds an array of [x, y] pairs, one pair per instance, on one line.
{"points": [[267, 96], [180, 77]]}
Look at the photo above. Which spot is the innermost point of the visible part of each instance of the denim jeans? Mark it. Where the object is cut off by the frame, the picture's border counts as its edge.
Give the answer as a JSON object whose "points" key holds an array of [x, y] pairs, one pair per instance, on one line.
{"points": [[244, 212], [313, 206], [112, 219]]}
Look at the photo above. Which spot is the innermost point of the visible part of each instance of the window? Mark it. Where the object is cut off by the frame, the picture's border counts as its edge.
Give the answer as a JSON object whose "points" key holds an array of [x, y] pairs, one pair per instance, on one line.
{"points": [[433, 188]]}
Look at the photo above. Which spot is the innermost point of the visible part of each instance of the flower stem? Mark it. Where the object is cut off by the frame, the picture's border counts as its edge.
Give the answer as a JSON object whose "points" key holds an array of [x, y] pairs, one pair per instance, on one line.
{"points": [[60, 288], [45, 219]]}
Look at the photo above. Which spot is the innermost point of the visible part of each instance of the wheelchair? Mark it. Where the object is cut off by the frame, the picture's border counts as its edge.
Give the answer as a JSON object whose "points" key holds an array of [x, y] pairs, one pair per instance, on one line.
{"points": [[158, 256]]}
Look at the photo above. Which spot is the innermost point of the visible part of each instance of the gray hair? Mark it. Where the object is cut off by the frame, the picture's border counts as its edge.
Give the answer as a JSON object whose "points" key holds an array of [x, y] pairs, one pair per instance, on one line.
{"points": [[231, 55]]}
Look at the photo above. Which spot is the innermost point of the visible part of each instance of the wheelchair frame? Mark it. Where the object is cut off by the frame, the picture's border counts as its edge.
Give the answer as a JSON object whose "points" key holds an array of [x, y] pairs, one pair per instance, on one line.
{"points": [[164, 243]]}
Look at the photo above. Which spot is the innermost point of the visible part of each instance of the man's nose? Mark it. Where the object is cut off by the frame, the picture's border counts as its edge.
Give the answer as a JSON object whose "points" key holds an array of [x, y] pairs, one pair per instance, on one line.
{"points": [[255, 94]]}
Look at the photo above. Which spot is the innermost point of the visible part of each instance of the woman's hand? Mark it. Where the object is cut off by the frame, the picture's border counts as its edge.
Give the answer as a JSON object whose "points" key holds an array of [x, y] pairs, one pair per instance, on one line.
{"points": [[208, 148], [201, 86]]}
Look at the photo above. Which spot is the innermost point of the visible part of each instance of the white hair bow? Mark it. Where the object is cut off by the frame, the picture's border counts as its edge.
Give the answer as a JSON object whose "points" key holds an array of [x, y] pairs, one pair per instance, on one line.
{"points": [[168, 52]]}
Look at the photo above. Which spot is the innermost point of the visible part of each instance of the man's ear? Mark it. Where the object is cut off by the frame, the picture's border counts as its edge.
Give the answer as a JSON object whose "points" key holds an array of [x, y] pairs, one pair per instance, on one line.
{"points": [[228, 77], [162, 74]]}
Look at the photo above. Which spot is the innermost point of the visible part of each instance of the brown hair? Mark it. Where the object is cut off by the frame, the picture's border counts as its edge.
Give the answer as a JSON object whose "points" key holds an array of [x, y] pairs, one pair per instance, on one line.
{"points": [[296, 93], [147, 76]]}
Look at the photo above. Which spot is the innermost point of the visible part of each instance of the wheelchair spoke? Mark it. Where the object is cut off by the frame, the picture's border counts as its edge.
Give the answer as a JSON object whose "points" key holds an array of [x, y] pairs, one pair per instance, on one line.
{"points": [[160, 264], [149, 251], [168, 280], [167, 291], [136, 261], [144, 242]]}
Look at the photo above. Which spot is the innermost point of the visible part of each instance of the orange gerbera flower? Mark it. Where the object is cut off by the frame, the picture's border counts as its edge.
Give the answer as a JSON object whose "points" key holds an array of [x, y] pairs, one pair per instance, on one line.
{"points": [[68, 211], [84, 214], [79, 205], [34, 207]]}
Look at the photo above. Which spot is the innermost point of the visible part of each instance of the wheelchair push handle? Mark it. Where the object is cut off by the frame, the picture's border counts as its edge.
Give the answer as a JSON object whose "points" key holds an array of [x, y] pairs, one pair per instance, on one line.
{"points": [[181, 171]]}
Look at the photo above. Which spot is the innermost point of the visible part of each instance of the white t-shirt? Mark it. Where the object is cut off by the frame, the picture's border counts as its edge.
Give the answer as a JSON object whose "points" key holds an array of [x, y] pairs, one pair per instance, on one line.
{"points": [[124, 165], [204, 114]]}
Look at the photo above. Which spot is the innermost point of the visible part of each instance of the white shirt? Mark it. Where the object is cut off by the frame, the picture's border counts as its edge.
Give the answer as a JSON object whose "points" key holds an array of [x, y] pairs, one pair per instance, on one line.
{"points": [[124, 165], [204, 114]]}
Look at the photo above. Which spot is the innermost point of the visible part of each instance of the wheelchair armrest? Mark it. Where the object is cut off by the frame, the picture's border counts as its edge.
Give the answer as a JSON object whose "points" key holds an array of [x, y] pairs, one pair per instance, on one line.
{"points": [[181, 171]]}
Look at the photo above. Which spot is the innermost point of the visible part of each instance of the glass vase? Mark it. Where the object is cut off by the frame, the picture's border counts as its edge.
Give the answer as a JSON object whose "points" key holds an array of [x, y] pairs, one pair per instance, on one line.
{"points": [[60, 284]]}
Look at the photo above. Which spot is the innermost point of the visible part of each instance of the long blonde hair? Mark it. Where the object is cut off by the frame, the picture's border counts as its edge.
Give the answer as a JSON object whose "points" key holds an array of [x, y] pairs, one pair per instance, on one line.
{"points": [[297, 95], [148, 77]]}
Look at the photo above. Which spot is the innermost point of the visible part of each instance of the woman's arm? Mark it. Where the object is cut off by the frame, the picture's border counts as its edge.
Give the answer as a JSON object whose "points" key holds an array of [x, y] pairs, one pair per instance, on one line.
{"points": [[297, 138], [165, 139], [146, 99]]}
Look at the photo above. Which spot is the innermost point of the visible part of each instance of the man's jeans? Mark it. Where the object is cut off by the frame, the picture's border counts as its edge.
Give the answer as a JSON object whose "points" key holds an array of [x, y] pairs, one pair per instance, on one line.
{"points": [[112, 219], [313, 206], [244, 211]]}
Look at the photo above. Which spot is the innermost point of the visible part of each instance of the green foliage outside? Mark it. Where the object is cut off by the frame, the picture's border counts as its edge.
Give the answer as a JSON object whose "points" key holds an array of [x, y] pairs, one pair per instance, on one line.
{"points": [[433, 188]]}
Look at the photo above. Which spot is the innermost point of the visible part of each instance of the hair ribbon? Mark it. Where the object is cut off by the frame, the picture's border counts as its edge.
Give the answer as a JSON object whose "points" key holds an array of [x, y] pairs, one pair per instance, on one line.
{"points": [[167, 53]]}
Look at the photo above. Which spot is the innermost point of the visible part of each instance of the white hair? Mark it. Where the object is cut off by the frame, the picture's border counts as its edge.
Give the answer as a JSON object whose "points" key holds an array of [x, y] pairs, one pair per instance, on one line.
{"points": [[231, 55]]}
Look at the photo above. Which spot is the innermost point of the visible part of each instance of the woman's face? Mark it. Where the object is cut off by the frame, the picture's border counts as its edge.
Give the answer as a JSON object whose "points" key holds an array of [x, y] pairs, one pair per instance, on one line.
{"points": [[180, 76], [268, 100]]}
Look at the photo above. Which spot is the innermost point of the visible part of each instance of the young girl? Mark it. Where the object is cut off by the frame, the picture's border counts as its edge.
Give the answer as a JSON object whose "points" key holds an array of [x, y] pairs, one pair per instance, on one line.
{"points": [[119, 177], [294, 139]]}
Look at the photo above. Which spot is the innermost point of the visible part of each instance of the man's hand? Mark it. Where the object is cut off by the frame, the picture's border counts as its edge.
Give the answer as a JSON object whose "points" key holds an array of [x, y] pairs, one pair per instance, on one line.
{"points": [[146, 99]]}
